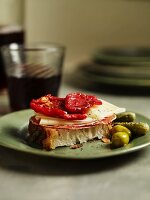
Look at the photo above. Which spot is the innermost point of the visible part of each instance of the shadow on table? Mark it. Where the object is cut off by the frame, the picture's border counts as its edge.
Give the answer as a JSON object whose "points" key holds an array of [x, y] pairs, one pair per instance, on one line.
{"points": [[26, 163]]}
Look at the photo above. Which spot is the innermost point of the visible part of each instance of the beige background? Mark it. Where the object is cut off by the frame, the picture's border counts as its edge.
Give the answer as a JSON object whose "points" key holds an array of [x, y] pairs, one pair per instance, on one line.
{"points": [[83, 25], [11, 12]]}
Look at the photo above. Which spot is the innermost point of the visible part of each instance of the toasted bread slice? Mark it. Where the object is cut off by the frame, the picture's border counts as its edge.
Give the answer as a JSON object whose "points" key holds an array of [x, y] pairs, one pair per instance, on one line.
{"points": [[50, 137]]}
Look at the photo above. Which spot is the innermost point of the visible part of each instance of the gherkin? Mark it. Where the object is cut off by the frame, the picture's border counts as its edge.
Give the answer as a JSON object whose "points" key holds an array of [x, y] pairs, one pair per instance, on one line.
{"points": [[136, 128], [126, 117]]}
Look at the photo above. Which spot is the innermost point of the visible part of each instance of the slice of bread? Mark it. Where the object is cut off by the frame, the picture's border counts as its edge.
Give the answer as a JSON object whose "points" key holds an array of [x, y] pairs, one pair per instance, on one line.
{"points": [[50, 137]]}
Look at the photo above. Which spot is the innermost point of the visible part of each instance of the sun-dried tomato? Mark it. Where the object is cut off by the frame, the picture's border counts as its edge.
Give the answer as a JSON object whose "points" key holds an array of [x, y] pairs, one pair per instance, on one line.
{"points": [[53, 107], [52, 112], [79, 102], [73, 107], [52, 101]]}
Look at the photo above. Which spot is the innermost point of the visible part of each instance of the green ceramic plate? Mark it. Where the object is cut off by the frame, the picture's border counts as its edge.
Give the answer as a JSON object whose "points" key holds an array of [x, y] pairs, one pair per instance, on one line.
{"points": [[114, 81], [123, 56], [13, 130], [116, 71]]}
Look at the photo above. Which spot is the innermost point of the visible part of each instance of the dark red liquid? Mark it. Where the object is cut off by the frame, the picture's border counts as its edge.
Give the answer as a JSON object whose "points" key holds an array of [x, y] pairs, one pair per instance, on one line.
{"points": [[2, 74], [23, 90], [5, 39]]}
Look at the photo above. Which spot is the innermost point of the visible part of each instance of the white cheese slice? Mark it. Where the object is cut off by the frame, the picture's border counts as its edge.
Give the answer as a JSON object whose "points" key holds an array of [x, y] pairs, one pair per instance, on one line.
{"points": [[45, 120], [97, 112], [113, 108]]}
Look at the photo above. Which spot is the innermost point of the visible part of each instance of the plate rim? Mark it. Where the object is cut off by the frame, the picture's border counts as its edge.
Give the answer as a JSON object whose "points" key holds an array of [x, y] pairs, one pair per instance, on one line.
{"points": [[115, 71], [111, 80], [104, 55]]}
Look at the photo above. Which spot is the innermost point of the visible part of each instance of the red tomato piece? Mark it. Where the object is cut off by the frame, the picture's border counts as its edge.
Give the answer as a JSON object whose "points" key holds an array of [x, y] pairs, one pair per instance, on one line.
{"points": [[53, 107], [79, 102], [48, 111]]}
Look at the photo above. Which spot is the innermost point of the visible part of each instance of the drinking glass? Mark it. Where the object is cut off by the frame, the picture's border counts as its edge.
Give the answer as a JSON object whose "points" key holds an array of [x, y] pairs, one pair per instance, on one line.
{"points": [[32, 71]]}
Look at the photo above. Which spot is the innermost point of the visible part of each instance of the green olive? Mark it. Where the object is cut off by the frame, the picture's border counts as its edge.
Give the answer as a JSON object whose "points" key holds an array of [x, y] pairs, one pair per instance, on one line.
{"points": [[120, 139], [119, 128]]}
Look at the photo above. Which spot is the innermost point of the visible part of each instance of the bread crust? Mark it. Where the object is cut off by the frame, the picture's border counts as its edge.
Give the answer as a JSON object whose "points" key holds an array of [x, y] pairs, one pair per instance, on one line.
{"points": [[50, 137]]}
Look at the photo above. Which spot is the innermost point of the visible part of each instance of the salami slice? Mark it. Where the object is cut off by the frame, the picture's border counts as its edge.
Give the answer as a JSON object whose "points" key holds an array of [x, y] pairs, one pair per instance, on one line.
{"points": [[77, 125]]}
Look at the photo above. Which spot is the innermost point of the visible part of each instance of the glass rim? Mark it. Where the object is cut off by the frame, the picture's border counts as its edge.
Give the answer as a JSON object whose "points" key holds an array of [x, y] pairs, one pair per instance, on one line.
{"points": [[39, 46]]}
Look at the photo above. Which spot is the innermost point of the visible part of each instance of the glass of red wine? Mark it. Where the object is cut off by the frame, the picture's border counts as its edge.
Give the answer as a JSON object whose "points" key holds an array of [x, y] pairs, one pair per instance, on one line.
{"points": [[8, 34], [32, 71]]}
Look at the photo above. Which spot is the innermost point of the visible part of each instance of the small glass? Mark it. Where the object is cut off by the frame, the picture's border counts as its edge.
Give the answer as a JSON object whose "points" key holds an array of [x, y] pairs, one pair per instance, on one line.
{"points": [[32, 72]]}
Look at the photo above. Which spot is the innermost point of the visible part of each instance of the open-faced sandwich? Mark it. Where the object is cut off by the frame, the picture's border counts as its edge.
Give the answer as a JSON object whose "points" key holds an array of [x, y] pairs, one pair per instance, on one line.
{"points": [[72, 120]]}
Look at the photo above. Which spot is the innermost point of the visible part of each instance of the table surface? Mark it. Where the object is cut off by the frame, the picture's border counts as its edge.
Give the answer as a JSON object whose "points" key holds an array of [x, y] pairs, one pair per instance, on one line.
{"points": [[24, 176]]}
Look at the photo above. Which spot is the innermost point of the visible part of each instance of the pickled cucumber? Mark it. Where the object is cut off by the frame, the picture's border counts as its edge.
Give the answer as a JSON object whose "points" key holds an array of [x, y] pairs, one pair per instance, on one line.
{"points": [[126, 117], [136, 128]]}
